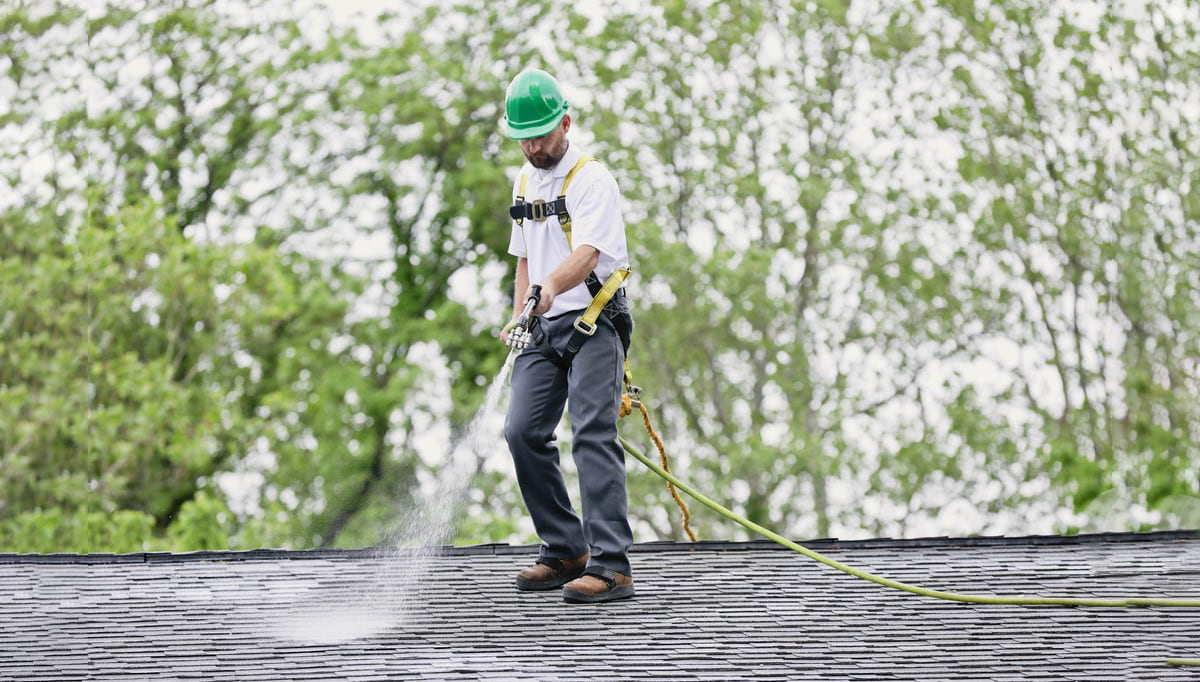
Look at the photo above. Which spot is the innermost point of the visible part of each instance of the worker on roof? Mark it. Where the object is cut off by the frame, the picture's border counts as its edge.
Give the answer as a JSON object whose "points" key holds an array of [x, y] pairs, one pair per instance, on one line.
{"points": [[571, 244]]}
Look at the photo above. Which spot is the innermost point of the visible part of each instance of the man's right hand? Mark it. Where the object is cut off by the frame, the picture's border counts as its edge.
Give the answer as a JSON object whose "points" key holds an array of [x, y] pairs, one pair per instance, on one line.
{"points": [[512, 324]]}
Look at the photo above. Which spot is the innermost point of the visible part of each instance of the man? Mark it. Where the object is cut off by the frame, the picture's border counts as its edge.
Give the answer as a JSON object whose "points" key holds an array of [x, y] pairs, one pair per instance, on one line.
{"points": [[568, 242]]}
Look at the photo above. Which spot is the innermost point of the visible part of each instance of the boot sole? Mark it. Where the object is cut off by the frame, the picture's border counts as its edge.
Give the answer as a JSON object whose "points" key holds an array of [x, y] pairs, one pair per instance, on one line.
{"points": [[526, 585], [617, 592]]}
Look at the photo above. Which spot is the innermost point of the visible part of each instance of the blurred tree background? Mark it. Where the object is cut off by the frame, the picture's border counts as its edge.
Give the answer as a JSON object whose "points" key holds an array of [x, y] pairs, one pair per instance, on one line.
{"points": [[937, 263]]}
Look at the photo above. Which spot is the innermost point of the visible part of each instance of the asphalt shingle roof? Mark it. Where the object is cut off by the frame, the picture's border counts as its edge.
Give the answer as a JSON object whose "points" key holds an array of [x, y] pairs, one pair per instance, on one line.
{"points": [[706, 611]]}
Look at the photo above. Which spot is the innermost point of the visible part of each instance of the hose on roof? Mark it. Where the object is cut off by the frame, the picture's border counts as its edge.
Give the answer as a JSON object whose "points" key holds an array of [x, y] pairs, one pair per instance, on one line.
{"points": [[895, 584]]}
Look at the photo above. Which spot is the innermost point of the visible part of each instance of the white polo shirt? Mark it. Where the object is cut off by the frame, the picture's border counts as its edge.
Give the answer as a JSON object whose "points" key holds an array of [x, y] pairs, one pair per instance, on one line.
{"points": [[594, 202]]}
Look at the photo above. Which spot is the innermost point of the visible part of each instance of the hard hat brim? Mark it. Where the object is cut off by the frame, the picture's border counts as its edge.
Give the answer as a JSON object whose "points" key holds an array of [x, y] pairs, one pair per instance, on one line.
{"points": [[530, 131]]}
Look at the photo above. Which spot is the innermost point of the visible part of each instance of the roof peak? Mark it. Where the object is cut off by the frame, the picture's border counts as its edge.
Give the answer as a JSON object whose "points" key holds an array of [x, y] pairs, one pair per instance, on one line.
{"points": [[641, 548]]}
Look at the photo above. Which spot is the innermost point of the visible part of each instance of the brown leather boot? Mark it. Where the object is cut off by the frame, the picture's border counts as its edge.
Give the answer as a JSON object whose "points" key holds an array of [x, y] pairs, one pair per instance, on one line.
{"points": [[549, 573], [598, 584]]}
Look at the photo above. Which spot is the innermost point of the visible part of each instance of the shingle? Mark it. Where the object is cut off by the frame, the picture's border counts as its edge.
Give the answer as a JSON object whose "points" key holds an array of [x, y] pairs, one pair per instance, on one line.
{"points": [[703, 611]]}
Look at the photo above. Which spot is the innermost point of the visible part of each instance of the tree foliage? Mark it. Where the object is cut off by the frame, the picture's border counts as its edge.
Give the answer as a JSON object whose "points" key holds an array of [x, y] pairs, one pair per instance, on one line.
{"points": [[935, 262]]}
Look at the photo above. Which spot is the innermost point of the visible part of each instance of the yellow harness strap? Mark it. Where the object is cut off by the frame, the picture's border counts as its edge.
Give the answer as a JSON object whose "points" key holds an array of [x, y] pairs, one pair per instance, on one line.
{"points": [[586, 323], [521, 195], [564, 218], [520, 200]]}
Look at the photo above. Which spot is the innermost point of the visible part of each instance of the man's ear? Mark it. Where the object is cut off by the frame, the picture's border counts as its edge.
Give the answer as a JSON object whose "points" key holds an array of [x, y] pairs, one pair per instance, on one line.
{"points": [[566, 123]]}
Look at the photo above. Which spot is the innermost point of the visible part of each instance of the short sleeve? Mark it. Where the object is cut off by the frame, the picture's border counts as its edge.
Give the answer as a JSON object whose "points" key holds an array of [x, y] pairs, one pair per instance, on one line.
{"points": [[596, 214], [516, 242]]}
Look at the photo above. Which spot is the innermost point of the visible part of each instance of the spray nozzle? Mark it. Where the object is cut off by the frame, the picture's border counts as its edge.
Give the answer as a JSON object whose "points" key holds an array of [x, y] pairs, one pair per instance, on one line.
{"points": [[520, 338]]}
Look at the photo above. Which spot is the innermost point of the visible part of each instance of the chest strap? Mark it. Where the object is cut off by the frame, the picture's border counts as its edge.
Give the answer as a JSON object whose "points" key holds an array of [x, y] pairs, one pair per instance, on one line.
{"points": [[538, 210]]}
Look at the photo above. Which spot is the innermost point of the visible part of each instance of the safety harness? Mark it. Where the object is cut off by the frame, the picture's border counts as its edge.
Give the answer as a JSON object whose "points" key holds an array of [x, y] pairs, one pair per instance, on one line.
{"points": [[538, 210]]}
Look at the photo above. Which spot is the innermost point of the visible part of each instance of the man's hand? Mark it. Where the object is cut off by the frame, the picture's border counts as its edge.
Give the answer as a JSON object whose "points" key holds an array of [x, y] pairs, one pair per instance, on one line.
{"points": [[512, 324], [546, 301]]}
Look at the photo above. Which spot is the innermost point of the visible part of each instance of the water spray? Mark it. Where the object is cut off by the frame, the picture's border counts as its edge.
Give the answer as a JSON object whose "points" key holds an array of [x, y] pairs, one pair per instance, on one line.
{"points": [[386, 599]]}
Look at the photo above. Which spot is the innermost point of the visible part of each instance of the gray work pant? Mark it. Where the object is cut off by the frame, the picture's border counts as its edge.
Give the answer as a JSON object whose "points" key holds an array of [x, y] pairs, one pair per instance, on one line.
{"points": [[592, 383]]}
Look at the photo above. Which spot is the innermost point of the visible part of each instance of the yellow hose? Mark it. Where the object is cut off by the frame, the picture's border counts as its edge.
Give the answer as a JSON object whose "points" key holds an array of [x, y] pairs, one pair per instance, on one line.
{"points": [[925, 592]]}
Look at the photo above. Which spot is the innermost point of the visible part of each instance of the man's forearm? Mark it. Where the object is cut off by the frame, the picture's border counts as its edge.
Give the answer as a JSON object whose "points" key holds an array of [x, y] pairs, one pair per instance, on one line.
{"points": [[573, 270], [520, 286]]}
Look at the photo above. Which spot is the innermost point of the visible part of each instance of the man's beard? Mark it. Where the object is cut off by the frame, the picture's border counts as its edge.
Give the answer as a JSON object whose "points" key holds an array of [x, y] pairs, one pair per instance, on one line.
{"points": [[548, 160]]}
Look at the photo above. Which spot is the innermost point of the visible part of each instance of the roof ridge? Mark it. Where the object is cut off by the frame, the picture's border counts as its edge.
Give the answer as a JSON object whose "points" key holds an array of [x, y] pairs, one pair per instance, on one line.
{"points": [[641, 548]]}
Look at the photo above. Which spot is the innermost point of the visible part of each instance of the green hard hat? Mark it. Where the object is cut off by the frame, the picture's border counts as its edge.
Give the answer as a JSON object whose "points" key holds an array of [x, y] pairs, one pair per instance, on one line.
{"points": [[534, 105]]}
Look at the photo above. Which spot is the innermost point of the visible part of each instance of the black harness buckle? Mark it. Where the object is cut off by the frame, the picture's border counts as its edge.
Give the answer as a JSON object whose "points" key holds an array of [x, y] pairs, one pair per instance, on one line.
{"points": [[538, 210]]}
